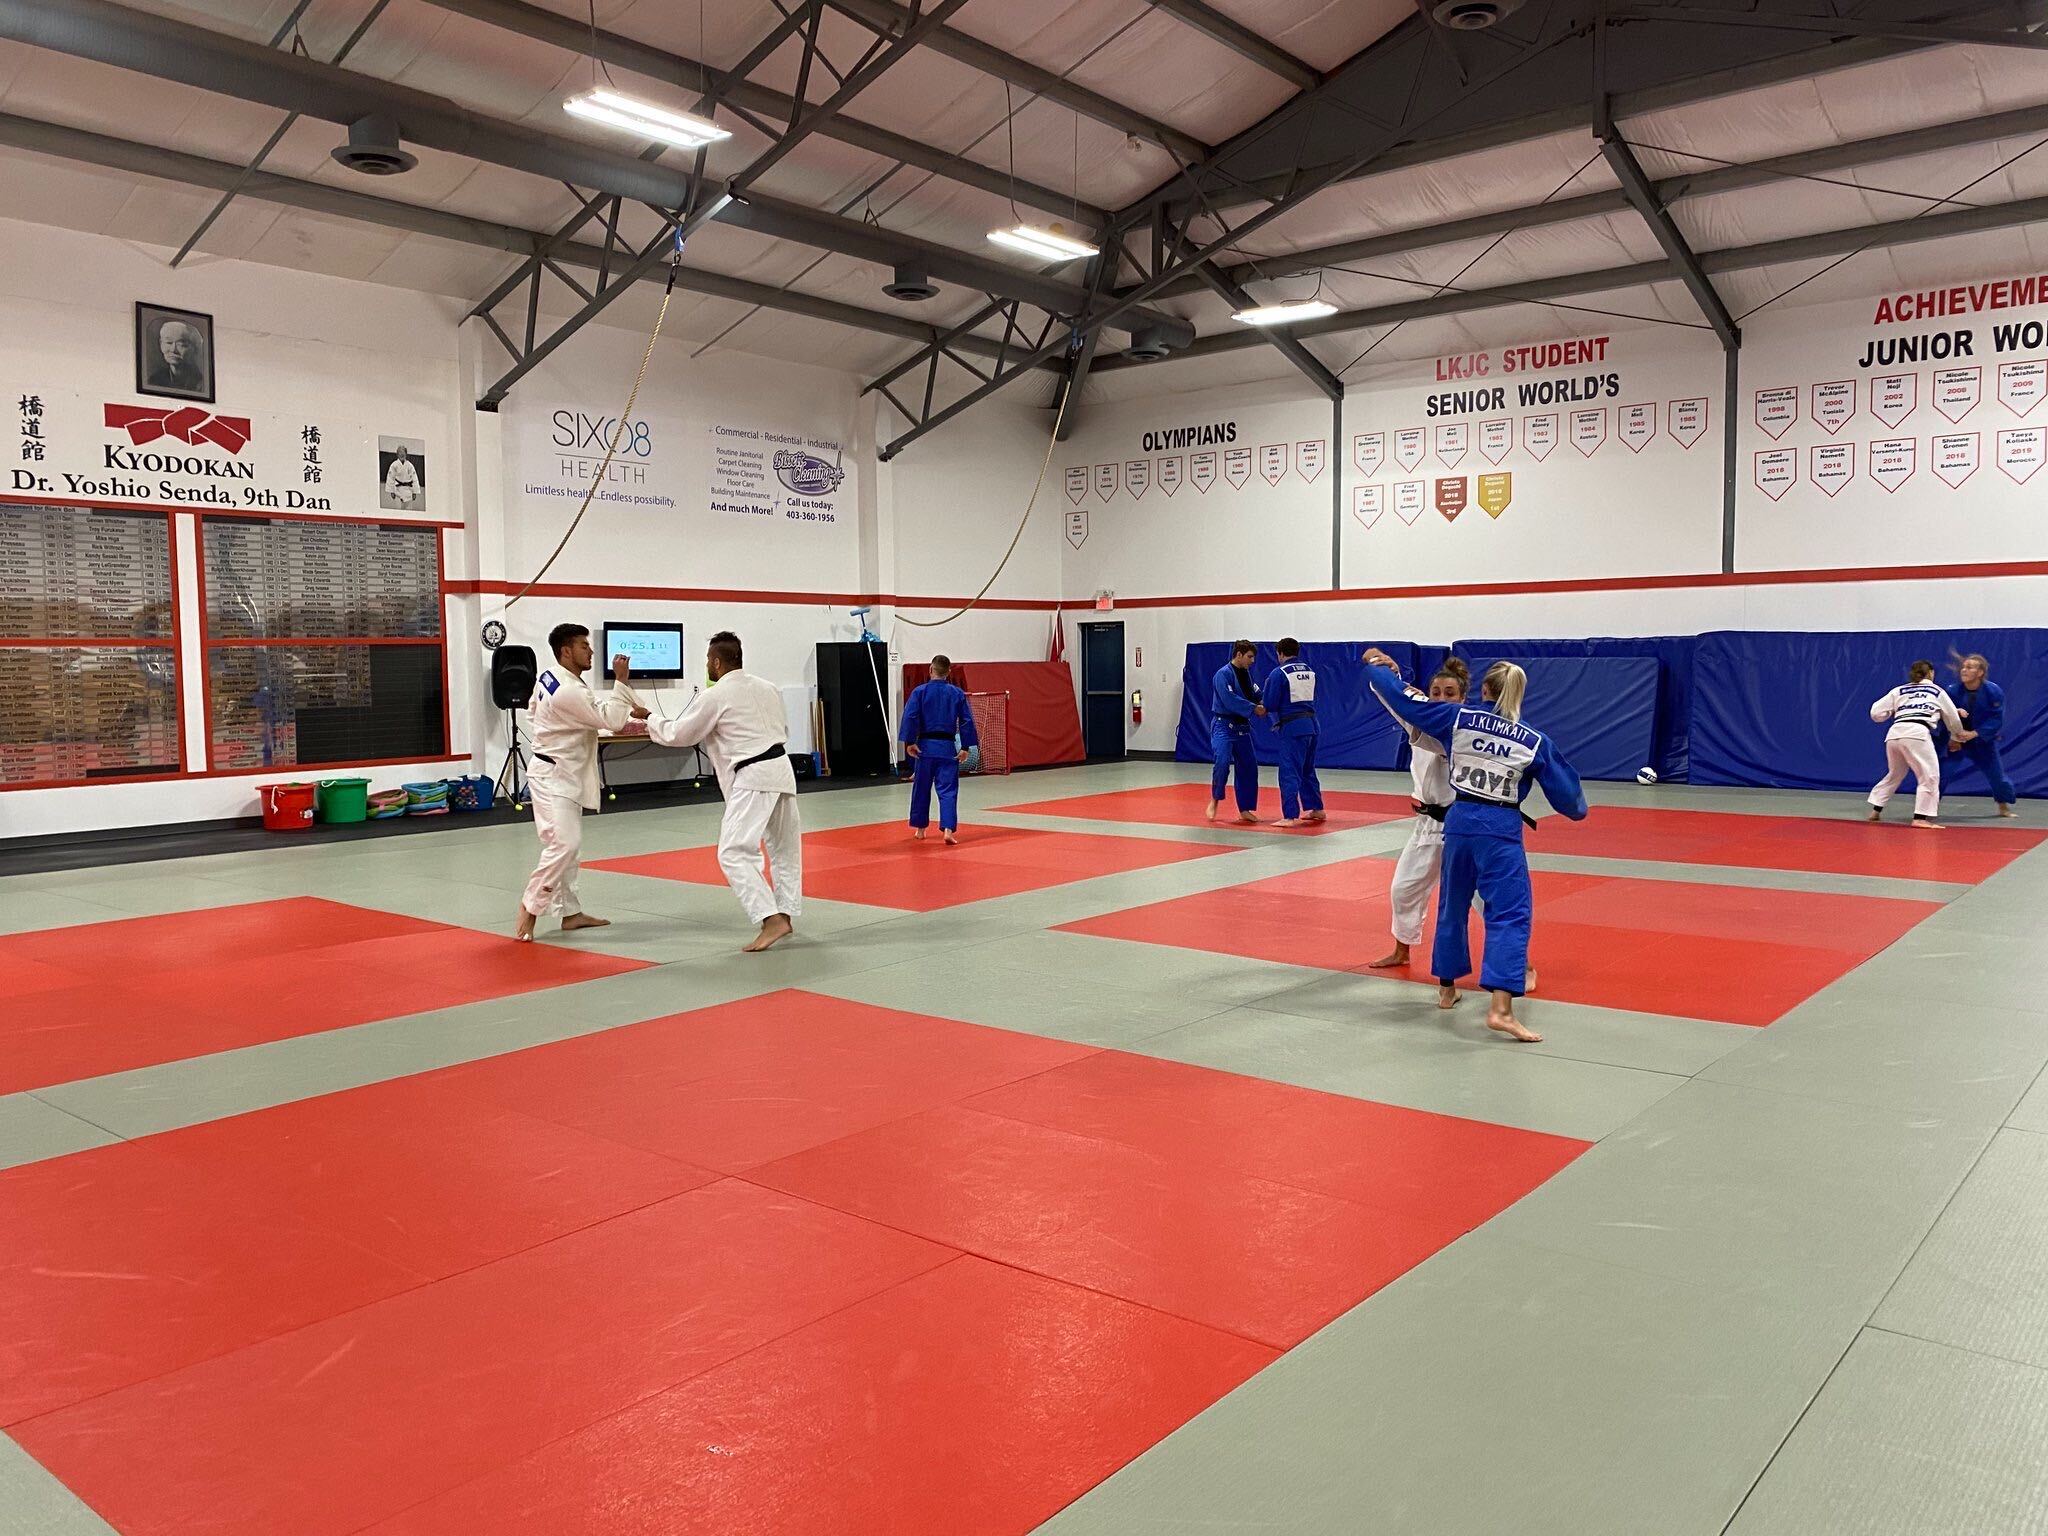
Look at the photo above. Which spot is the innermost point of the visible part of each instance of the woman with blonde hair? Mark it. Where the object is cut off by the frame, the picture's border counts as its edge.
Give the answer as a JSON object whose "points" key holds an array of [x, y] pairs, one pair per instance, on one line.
{"points": [[1494, 759], [1915, 708]]}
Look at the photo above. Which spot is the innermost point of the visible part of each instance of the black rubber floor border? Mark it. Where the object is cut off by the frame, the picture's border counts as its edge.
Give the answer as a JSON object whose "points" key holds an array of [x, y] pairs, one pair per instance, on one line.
{"points": [[56, 852]]}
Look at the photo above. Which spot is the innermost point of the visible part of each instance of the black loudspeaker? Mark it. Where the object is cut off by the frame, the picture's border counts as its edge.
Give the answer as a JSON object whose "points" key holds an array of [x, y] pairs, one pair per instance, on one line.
{"points": [[856, 724], [513, 670]]}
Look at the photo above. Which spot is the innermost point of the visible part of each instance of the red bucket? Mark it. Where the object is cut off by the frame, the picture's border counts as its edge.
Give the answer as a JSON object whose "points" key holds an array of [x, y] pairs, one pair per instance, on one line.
{"points": [[287, 807]]}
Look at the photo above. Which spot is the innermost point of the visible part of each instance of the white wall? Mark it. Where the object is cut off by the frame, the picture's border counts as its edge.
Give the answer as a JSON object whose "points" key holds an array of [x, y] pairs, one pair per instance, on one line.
{"points": [[1619, 514], [357, 358]]}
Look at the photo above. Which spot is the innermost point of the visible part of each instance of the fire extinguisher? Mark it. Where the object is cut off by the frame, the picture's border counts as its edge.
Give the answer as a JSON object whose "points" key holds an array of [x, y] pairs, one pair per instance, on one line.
{"points": [[1137, 707]]}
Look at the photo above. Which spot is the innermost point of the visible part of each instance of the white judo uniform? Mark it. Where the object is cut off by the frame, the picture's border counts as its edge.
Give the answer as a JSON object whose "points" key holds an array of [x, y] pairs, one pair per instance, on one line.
{"points": [[1422, 856], [567, 715], [1914, 709], [738, 719]]}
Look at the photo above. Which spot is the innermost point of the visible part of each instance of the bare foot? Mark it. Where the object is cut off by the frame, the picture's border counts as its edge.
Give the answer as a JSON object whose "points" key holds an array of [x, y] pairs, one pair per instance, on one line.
{"points": [[1291, 821], [1247, 818], [1392, 959], [577, 920], [773, 931], [523, 934], [1875, 816], [1529, 981], [1447, 997], [1210, 812], [1926, 826], [2009, 810], [917, 833], [1315, 816], [1501, 1019], [952, 840]]}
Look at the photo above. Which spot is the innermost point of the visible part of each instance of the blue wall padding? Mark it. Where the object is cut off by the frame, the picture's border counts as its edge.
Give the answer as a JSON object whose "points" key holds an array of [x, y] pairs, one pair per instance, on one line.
{"points": [[1601, 711], [1355, 732], [1791, 710], [1671, 750]]}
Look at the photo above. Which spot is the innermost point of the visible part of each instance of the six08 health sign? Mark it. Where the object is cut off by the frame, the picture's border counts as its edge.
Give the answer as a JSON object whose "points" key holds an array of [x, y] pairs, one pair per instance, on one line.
{"points": [[728, 471]]}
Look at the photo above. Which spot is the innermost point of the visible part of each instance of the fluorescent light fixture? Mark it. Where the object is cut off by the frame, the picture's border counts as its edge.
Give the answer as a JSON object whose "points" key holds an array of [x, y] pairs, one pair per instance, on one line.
{"points": [[642, 118], [1047, 244], [1287, 313]]}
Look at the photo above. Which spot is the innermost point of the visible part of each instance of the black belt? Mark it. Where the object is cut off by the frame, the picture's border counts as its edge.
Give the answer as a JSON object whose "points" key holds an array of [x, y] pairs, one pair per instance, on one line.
{"points": [[780, 749], [1481, 800], [1299, 714], [542, 757], [1433, 812], [1236, 730], [948, 737]]}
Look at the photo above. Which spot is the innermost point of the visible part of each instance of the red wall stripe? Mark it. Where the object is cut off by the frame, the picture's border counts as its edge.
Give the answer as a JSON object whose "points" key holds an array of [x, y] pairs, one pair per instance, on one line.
{"points": [[1979, 572]]}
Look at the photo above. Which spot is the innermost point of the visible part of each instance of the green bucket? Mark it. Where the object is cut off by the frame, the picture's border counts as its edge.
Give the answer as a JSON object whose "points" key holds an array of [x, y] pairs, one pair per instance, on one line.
{"points": [[344, 799]]}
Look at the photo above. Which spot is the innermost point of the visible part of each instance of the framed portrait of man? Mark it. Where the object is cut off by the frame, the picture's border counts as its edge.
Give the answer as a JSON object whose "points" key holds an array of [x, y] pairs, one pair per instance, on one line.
{"points": [[173, 353], [402, 474]]}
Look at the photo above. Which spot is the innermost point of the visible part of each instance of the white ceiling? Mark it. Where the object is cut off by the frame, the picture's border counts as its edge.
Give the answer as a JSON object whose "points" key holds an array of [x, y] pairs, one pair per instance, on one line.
{"points": [[1125, 50]]}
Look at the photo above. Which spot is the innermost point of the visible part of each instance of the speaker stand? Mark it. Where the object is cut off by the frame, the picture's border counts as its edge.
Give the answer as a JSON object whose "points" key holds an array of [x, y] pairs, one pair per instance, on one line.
{"points": [[515, 765]]}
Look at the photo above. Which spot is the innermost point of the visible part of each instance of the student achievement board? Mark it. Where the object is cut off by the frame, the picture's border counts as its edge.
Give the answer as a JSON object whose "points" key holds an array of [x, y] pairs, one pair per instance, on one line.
{"points": [[88, 646], [323, 642]]}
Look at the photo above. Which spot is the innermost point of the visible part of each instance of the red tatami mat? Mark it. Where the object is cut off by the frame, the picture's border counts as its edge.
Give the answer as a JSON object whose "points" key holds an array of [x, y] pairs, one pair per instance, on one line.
{"points": [[407, 1308], [741, 1084], [1961, 854], [358, 1417], [882, 866], [107, 997], [974, 1399], [1739, 955], [1177, 805]]}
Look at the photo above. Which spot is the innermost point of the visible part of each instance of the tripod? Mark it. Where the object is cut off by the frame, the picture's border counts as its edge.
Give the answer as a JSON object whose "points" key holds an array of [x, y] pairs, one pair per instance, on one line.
{"points": [[514, 764]]}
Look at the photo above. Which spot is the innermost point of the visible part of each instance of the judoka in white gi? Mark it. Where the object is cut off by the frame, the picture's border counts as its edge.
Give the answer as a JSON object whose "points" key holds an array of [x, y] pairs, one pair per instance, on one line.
{"points": [[566, 717], [740, 722], [1915, 709]]}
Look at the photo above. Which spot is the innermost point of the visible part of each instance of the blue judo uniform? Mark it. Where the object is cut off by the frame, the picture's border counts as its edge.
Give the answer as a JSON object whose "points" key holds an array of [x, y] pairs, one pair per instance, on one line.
{"points": [[1494, 762], [1290, 699], [1230, 736], [1984, 712], [937, 719]]}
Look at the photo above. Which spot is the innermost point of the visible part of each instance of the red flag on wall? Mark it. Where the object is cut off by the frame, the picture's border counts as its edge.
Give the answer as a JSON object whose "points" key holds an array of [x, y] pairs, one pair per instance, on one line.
{"points": [[1057, 650]]}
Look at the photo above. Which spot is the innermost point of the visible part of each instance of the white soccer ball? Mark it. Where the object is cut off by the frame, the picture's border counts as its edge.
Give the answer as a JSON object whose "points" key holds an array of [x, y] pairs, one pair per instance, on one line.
{"points": [[1646, 775]]}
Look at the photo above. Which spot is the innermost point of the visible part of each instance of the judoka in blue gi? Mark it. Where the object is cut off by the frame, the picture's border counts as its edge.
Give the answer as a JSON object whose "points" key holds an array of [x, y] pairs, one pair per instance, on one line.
{"points": [[1234, 703], [1495, 759], [937, 730], [1289, 697], [1981, 703]]}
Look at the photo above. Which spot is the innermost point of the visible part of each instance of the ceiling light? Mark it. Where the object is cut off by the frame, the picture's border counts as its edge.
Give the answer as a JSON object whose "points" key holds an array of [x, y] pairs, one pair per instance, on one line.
{"points": [[644, 119], [1052, 244], [1287, 313]]}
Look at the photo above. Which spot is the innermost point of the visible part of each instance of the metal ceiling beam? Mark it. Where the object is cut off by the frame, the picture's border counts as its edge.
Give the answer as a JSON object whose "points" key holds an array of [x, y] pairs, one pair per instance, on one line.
{"points": [[1242, 41], [1458, 97], [992, 61], [1646, 74], [87, 148], [875, 63], [1924, 33], [687, 74], [1636, 187], [169, 49], [1705, 182], [1831, 242]]}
